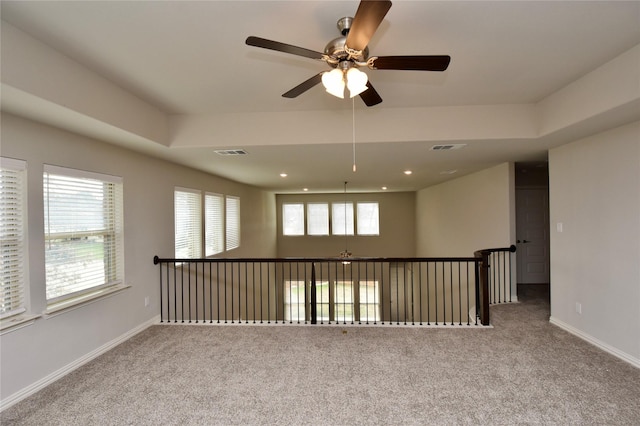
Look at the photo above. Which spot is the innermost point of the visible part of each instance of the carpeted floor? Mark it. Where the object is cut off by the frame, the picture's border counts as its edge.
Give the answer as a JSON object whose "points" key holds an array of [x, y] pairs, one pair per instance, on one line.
{"points": [[522, 371]]}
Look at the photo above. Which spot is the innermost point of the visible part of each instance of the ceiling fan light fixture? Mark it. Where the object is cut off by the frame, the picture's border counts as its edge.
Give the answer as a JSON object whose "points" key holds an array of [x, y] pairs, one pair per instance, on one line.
{"points": [[333, 82], [356, 81]]}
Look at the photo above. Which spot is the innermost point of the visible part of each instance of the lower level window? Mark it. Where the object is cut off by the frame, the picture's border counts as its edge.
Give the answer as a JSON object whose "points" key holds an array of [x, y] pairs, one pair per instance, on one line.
{"points": [[83, 232], [337, 301]]}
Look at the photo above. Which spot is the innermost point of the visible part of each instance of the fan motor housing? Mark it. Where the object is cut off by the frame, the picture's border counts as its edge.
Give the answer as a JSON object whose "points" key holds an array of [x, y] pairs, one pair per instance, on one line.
{"points": [[336, 47]]}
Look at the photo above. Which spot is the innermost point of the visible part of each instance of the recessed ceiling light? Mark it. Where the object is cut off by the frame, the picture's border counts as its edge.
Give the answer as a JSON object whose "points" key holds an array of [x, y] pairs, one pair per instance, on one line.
{"points": [[384, 188], [305, 189], [283, 175], [407, 172]]}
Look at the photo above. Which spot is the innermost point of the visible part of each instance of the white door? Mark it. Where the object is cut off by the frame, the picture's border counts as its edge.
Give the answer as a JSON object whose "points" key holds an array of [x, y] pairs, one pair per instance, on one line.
{"points": [[532, 234]]}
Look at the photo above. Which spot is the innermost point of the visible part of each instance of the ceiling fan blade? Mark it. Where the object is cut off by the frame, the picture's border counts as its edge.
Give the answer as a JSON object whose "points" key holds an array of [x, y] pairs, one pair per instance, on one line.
{"points": [[416, 63], [368, 17], [304, 86], [282, 47], [370, 97]]}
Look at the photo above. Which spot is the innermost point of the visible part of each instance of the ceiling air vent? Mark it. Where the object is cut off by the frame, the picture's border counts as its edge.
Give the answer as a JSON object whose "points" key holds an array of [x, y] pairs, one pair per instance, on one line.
{"points": [[231, 152], [448, 147]]}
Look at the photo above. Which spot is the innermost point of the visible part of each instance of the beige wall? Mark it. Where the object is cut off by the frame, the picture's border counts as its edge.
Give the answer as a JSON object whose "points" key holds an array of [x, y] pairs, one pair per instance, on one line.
{"points": [[397, 234], [36, 353], [470, 213], [595, 260]]}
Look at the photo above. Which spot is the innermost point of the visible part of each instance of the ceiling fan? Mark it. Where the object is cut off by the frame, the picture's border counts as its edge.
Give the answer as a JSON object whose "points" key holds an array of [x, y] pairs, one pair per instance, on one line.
{"points": [[349, 52]]}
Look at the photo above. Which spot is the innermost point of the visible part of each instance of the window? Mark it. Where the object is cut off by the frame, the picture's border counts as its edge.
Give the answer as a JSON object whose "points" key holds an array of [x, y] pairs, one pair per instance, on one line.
{"points": [[294, 300], [293, 219], [342, 218], [213, 224], [368, 219], [233, 222], [12, 236], [188, 223], [318, 219], [348, 306], [369, 301], [83, 232], [344, 301], [295, 304]]}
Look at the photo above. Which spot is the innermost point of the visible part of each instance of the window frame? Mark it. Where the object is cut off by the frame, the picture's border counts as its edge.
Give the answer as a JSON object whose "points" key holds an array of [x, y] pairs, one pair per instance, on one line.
{"points": [[325, 231], [193, 231], [232, 227], [346, 210], [298, 221], [359, 219], [112, 211], [214, 224]]}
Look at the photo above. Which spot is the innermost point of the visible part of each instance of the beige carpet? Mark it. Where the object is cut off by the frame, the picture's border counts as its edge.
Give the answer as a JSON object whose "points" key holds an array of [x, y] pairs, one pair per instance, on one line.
{"points": [[522, 371]]}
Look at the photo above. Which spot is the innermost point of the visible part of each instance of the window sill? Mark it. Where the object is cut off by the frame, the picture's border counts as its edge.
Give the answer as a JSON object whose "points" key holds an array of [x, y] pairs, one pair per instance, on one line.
{"points": [[86, 299], [10, 324]]}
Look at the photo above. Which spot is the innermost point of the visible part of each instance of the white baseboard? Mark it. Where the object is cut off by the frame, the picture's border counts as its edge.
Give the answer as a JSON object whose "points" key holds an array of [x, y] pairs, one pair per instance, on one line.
{"points": [[600, 344], [44, 382]]}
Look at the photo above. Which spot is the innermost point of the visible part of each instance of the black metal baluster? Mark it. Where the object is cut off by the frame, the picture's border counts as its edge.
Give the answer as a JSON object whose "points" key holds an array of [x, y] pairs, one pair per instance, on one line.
{"points": [[468, 295], [218, 309], [226, 285], [210, 293], [451, 290], [161, 304], [269, 293], [253, 289], [420, 290], [195, 286], [435, 276]]}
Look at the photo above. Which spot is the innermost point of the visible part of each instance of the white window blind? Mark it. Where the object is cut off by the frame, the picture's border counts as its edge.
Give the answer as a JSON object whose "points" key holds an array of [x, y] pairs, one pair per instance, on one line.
{"points": [[83, 232], [342, 218], [12, 236], [213, 224], [318, 219], [368, 220], [188, 223], [293, 219], [232, 222]]}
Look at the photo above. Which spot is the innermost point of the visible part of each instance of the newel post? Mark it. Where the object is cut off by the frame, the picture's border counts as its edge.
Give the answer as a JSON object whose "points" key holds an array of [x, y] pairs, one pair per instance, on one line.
{"points": [[484, 286], [314, 314]]}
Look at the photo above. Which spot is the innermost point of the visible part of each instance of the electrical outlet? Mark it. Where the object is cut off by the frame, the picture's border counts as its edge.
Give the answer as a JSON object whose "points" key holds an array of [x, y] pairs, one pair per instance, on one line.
{"points": [[146, 301], [579, 308]]}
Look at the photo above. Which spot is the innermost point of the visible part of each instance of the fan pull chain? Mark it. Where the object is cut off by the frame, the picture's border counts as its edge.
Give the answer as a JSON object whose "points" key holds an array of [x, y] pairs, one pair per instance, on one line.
{"points": [[353, 118]]}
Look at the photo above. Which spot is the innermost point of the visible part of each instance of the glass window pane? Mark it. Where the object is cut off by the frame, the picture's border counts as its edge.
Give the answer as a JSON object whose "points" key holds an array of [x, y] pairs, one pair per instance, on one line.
{"points": [[294, 301], [188, 224], [232, 222], [83, 231], [342, 218], [368, 221], [318, 218], [369, 301], [293, 219], [344, 301], [214, 224]]}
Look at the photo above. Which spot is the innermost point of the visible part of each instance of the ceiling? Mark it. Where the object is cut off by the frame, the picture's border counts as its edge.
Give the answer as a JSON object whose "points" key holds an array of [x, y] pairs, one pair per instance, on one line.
{"points": [[190, 61]]}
